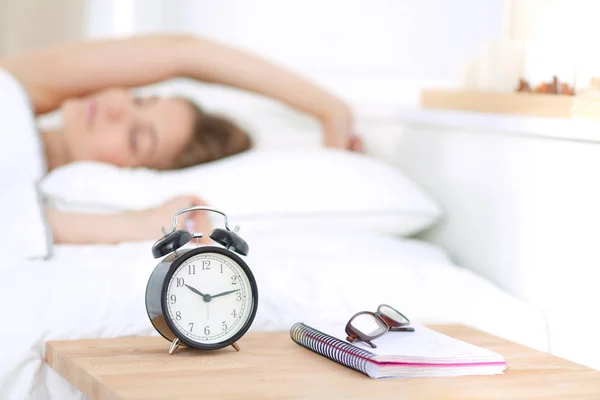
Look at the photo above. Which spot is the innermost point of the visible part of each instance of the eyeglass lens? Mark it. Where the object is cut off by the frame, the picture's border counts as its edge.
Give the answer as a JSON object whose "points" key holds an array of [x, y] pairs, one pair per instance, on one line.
{"points": [[369, 325], [392, 314]]}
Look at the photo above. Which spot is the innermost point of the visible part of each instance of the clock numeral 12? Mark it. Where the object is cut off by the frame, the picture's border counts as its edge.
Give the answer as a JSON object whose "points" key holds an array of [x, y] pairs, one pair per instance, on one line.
{"points": [[205, 264]]}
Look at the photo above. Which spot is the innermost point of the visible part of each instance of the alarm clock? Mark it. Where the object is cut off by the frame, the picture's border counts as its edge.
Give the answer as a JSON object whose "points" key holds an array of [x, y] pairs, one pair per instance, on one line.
{"points": [[202, 297]]}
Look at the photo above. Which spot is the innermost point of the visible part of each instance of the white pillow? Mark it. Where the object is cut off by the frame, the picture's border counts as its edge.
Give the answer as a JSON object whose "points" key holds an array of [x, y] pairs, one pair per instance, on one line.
{"points": [[260, 189]]}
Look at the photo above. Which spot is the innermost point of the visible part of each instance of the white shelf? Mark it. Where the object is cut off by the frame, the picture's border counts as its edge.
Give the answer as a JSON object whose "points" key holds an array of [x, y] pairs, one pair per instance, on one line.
{"points": [[549, 128]]}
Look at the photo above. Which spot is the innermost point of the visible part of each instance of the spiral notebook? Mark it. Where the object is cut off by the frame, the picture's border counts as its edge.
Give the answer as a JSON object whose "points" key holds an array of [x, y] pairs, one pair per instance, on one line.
{"points": [[422, 353]]}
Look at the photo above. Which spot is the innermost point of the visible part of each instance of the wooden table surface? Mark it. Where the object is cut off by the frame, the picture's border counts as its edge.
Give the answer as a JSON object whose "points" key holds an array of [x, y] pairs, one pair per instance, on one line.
{"points": [[271, 366]]}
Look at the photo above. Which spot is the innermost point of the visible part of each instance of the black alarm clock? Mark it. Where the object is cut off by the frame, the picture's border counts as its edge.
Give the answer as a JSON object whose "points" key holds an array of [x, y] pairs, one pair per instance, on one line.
{"points": [[202, 297]]}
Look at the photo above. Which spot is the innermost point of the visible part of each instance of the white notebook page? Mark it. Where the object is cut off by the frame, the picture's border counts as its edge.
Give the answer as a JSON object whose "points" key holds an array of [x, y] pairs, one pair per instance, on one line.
{"points": [[423, 344]]}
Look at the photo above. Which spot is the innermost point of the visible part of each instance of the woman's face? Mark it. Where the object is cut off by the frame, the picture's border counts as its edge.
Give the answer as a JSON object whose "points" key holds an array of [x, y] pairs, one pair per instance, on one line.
{"points": [[115, 127]]}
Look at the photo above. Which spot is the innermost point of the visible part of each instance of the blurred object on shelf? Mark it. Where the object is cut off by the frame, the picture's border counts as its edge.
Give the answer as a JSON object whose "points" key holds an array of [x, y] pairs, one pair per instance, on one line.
{"points": [[524, 86], [553, 87], [550, 67], [496, 69], [540, 40], [592, 90], [542, 65], [587, 70], [469, 74]]}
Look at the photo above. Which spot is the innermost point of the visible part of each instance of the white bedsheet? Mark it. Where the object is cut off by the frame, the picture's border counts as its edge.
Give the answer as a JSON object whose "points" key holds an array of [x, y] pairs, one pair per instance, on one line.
{"points": [[98, 291]]}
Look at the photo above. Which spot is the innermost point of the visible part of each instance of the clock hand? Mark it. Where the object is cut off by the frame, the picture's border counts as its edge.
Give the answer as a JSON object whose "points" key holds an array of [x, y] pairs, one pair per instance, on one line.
{"points": [[195, 290], [224, 293]]}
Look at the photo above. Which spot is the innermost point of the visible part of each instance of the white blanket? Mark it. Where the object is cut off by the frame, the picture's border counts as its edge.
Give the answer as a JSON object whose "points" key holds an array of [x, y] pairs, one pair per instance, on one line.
{"points": [[98, 292], [24, 233]]}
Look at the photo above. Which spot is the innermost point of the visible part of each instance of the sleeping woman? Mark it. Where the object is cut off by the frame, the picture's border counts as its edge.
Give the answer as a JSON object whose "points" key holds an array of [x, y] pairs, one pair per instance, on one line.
{"points": [[103, 121]]}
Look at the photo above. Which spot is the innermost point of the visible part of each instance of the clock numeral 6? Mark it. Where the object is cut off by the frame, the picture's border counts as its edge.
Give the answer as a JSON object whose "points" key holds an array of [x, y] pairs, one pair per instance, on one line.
{"points": [[206, 330], [180, 282], [178, 315], [173, 299], [224, 325]]}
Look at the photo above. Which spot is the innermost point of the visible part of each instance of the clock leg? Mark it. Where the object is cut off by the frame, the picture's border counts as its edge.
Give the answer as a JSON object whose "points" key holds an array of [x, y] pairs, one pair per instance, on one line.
{"points": [[236, 347], [174, 346]]}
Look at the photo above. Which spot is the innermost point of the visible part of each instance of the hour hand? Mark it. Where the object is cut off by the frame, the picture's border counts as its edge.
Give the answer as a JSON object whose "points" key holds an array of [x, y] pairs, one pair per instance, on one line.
{"points": [[224, 293], [194, 290]]}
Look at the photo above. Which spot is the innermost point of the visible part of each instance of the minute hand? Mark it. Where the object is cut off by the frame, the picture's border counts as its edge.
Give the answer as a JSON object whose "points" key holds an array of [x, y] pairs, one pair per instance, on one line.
{"points": [[224, 293]]}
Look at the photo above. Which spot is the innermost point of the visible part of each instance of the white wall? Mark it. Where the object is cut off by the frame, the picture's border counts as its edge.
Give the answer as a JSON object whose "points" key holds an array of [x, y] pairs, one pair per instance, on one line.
{"points": [[26, 25]]}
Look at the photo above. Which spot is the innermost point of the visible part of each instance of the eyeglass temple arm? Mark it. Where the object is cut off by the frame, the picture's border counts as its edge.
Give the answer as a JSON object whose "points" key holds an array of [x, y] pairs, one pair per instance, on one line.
{"points": [[197, 208], [402, 329], [353, 339]]}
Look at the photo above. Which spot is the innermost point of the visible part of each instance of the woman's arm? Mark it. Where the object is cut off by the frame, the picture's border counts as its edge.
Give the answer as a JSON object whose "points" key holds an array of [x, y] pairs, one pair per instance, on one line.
{"points": [[80, 228], [56, 73], [76, 69], [212, 62]]}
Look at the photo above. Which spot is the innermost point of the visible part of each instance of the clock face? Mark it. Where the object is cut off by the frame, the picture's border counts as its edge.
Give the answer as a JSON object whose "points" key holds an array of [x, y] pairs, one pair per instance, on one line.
{"points": [[209, 298]]}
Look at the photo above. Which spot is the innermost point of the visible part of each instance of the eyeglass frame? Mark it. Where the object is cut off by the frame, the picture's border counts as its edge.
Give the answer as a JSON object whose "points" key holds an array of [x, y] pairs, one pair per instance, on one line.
{"points": [[392, 326]]}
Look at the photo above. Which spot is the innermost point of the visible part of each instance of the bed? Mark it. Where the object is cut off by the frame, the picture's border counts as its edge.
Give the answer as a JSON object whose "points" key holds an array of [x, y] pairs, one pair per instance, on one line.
{"points": [[326, 240], [317, 261]]}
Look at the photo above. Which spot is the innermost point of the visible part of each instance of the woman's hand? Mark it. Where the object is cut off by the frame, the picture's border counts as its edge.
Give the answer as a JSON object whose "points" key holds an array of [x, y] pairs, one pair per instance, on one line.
{"points": [[356, 144], [162, 216], [338, 131]]}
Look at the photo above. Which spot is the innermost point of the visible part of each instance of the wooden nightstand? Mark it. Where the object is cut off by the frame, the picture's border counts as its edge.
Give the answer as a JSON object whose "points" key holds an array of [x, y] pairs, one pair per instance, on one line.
{"points": [[271, 366]]}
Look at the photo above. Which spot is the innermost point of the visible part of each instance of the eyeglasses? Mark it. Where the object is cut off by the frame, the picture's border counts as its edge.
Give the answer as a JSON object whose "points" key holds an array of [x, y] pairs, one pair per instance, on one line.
{"points": [[367, 326]]}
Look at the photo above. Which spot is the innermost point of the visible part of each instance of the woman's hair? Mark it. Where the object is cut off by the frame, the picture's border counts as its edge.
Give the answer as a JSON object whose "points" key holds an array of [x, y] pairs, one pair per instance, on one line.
{"points": [[213, 137]]}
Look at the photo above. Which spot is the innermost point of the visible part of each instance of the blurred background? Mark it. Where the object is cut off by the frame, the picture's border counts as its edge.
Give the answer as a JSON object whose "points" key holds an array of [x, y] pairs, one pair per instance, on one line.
{"points": [[369, 43], [378, 55], [375, 54], [375, 44]]}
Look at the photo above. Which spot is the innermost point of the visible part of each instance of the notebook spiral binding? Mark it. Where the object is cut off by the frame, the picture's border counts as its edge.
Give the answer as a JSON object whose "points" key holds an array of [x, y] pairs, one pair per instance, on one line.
{"points": [[330, 347]]}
